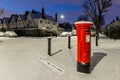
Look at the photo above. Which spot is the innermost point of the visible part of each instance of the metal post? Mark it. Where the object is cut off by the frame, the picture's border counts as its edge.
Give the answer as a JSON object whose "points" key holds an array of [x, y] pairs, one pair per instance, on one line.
{"points": [[49, 46], [96, 39], [69, 42]]}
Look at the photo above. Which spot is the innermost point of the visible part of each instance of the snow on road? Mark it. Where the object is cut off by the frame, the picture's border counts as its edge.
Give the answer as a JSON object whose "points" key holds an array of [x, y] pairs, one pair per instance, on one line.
{"points": [[26, 59]]}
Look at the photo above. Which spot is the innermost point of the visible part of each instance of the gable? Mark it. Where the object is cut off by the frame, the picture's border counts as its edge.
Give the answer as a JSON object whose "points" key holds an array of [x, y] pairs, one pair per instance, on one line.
{"points": [[29, 17], [12, 19], [19, 18]]}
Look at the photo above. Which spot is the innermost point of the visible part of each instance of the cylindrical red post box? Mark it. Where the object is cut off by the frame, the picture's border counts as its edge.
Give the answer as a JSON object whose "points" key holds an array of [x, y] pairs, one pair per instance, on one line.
{"points": [[83, 46]]}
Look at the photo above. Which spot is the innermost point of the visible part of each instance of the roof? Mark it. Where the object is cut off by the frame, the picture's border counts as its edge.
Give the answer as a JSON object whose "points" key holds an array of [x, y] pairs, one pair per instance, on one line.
{"points": [[36, 15], [49, 18], [15, 17], [6, 19], [39, 15]]}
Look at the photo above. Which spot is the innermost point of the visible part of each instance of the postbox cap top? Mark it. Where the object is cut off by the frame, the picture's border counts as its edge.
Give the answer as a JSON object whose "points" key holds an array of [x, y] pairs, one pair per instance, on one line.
{"points": [[83, 22]]}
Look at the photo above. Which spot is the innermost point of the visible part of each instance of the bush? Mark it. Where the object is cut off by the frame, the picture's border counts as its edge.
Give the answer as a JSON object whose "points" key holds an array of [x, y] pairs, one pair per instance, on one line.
{"points": [[3, 29], [35, 33]]}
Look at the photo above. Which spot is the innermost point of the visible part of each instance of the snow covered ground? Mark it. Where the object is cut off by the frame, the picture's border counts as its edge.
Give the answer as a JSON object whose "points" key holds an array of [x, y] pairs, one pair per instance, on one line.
{"points": [[26, 59]]}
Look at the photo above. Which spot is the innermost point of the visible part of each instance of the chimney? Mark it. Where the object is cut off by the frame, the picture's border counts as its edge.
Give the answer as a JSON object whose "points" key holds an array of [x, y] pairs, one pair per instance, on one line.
{"points": [[55, 17], [43, 13], [117, 18]]}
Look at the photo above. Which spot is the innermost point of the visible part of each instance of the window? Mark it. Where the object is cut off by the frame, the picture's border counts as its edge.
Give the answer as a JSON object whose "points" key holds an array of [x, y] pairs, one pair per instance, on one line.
{"points": [[19, 22], [12, 23], [53, 23], [46, 22], [48, 27], [41, 21]]}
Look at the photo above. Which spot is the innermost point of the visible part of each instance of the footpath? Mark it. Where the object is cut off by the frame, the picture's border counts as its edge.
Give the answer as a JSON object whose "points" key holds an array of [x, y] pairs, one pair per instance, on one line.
{"points": [[27, 59]]}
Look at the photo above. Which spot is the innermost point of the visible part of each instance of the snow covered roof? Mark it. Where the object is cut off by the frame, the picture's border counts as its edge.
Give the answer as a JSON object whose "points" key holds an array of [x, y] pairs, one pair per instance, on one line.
{"points": [[39, 15], [49, 18], [36, 15], [16, 17], [6, 19]]}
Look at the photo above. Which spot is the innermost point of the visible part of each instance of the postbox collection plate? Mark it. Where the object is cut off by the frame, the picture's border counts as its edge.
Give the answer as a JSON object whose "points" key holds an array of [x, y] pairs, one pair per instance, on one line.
{"points": [[87, 38]]}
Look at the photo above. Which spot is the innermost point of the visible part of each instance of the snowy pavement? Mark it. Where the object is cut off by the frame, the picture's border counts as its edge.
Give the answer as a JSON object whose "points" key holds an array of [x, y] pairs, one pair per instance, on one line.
{"points": [[26, 59]]}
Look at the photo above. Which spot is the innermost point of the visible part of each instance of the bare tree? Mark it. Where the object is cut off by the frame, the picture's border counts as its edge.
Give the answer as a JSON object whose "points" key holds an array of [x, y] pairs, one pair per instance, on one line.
{"points": [[96, 9]]}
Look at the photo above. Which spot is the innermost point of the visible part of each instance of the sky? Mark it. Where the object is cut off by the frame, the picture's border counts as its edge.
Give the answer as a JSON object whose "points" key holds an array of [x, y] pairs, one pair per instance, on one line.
{"points": [[71, 9]]}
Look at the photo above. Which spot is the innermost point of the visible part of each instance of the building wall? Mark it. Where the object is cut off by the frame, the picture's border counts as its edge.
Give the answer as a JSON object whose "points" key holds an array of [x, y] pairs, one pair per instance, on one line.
{"points": [[13, 24], [24, 23], [29, 21], [4, 25], [35, 22], [54, 26], [0, 24], [47, 25], [39, 23], [20, 24]]}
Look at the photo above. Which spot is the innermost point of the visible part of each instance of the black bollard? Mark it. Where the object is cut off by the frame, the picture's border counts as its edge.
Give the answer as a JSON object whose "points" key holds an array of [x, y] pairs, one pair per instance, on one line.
{"points": [[97, 40], [69, 42], [49, 46]]}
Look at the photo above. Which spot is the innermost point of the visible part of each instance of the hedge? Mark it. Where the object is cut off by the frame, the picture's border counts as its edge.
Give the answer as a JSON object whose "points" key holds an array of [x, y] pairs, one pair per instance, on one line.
{"points": [[35, 33]]}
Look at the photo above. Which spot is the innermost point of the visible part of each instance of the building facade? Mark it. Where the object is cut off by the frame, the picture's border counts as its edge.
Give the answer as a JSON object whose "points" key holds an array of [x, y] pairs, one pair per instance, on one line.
{"points": [[30, 20]]}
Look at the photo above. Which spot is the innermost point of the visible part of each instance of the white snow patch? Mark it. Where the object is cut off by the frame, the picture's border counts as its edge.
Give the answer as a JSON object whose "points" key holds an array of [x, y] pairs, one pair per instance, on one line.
{"points": [[52, 66]]}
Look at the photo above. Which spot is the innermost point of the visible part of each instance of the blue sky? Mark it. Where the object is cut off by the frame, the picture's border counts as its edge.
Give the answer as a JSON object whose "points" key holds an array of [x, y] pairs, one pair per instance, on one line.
{"points": [[71, 9]]}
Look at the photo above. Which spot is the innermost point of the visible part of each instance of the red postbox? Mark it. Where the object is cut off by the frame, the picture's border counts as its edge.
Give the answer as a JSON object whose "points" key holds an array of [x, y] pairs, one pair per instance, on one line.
{"points": [[83, 46]]}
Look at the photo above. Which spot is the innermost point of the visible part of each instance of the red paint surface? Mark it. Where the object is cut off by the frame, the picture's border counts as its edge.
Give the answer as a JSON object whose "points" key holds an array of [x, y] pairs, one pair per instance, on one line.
{"points": [[83, 48]]}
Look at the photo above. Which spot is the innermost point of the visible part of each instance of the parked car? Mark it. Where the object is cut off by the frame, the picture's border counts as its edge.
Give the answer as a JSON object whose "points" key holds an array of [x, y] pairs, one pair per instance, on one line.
{"points": [[10, 34], [65, 34], [2, 34]]}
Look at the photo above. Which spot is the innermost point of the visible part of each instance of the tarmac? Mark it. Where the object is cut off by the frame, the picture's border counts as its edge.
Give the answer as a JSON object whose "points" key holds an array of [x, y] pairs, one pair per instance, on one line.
{"points": [[26, 58]]}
